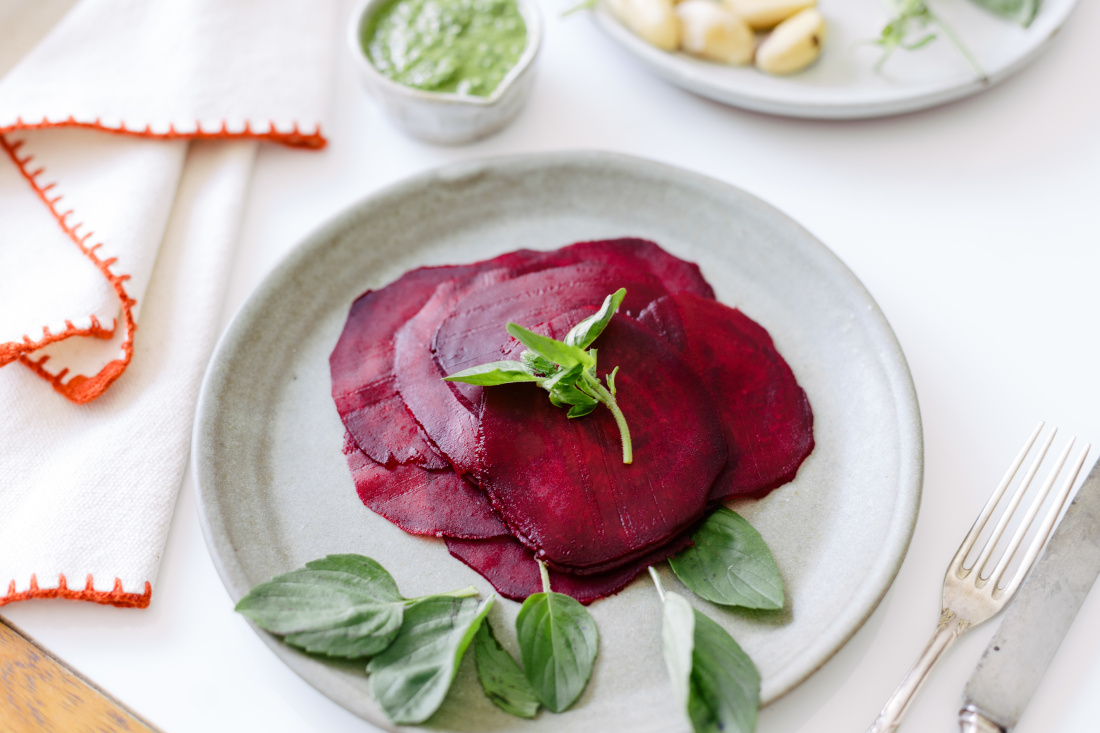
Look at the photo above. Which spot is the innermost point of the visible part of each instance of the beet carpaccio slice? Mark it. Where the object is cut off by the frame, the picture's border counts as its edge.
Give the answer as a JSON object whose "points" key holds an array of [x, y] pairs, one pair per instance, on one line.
{"points": [[561, 485], [714, 411], [437, 503], [512, 569], [362, 363], [765, 414]]}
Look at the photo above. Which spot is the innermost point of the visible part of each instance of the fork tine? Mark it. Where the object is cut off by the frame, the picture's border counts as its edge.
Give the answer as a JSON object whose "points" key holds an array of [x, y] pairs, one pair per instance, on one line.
{"points": [[979, 523], [1046, 528], [1025, 524], [1010, 510]]}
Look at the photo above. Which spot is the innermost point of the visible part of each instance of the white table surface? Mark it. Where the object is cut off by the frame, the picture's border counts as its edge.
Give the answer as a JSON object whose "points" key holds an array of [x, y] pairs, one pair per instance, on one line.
{"points": [[976, 226]]}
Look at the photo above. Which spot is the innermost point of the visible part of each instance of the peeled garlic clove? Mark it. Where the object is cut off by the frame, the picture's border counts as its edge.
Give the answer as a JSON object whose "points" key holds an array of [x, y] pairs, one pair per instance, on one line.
{"points": [[654, 21], [764, 14], [793, 45], [712, 32]]}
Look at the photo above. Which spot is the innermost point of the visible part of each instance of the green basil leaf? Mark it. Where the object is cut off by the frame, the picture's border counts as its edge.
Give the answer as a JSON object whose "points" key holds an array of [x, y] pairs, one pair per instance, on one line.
{"points": [[730, 564], [678, 637], [411, 677], [538, 364], [562, 377], [501, 677], [555, 351], [1018, 11], [567, 394], [494, 373], [557, 643], [581, 410], [590, 328], [343, 606], [720, 688]]}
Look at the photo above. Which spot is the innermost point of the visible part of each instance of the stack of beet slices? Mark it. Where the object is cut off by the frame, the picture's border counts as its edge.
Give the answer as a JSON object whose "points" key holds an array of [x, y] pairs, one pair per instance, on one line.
{"points": [[714, 412]]}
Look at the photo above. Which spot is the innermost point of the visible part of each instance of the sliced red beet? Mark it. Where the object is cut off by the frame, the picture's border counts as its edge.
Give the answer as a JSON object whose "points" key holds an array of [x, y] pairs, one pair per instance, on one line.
{"points": [[561, 486], [419, 501], [766, 416], [362, 362], [662, 316], [445, 420], [474, 333], [512, 569], [675, 274]]}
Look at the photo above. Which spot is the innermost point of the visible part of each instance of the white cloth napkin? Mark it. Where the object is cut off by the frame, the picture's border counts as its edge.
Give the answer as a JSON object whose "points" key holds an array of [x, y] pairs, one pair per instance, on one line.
{"points": [[127, 135]]}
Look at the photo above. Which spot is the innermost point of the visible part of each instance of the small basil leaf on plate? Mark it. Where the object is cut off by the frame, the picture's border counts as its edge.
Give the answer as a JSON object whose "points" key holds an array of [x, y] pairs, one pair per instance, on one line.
{"points": [[411, 677], [557, 643], [342, 605], [590, 328], [555, 351], [719, 687], [730, 564], [580, 410], [678, 637], [567, 394], [494, 373], [501, 677]]}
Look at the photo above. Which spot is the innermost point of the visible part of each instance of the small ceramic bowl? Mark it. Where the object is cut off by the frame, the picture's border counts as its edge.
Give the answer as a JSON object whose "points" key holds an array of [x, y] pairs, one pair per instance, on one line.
{"points": [[447, 118]]}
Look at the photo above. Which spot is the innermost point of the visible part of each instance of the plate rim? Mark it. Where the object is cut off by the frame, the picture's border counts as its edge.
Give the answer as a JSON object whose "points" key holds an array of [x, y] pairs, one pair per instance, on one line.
{"points": [[672, 69], [876, 582]]}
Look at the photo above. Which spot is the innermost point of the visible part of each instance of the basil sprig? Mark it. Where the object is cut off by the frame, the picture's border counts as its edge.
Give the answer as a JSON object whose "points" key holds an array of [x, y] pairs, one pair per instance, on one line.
{"points": [[343, 606], [557, 643], [566, 369], [713, 680], [910, 17], [730, 564]]}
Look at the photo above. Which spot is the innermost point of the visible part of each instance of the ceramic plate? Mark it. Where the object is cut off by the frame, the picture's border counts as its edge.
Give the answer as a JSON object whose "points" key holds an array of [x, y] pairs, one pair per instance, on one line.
{"points": [[274, 491], [844, 84]]}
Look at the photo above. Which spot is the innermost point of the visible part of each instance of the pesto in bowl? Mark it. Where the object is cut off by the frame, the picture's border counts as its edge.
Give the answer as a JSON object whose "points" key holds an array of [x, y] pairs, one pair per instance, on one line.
{"points": [[464, 47]]}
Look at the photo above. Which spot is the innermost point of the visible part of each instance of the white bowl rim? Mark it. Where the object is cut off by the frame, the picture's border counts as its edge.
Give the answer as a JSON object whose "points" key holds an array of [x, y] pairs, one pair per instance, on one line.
{"points": [[531, 19]]}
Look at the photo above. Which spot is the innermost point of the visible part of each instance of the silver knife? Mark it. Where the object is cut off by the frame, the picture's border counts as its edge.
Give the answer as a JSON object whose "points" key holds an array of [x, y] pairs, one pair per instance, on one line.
{"points": [[1037, 619]]}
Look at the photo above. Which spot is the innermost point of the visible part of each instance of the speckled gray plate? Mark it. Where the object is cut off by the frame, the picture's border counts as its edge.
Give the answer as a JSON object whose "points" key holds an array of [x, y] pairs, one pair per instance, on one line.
{"points": [[274, 491]]}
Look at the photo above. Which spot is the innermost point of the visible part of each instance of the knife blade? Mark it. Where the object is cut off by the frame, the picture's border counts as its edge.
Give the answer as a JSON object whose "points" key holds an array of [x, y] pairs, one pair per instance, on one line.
{"points": [[1037, 620]]}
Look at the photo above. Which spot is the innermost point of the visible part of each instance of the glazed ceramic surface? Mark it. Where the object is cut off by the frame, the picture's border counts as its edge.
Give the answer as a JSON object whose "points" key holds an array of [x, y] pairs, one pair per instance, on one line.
{"points": [[844, 83], [275, 493]]}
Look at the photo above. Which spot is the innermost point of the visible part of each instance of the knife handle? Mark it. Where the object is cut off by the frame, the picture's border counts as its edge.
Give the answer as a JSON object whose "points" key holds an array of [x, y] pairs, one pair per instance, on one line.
{"points": [[948, 631], [971, 720]]}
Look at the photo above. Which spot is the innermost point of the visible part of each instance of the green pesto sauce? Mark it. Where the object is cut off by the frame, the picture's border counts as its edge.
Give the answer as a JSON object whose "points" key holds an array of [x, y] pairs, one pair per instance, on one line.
{"points": [[457, 46]]}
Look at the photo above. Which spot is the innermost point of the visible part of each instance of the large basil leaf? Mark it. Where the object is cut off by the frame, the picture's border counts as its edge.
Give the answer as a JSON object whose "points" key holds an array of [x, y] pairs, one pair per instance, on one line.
{"points": [[557, 642], [501, 677], [588, 330], [720, 688], [342, 606], [1019, 11], [411, 677], [730, 564], [494, 373]]}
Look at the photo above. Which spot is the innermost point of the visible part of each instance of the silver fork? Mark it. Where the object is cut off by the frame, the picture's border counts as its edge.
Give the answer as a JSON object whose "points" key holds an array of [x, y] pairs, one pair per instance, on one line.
{"points": [[971, 597]]}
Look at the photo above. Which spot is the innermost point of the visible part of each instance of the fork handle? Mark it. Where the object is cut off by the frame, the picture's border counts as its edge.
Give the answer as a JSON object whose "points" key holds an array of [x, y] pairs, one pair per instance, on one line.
{"points": [[949, 629]]}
